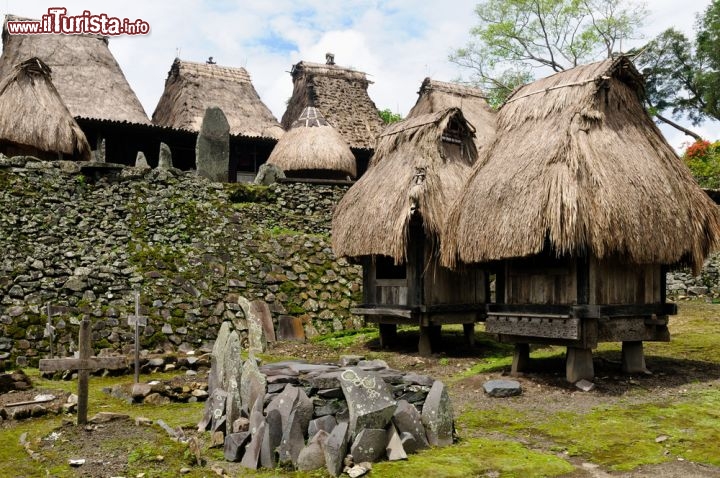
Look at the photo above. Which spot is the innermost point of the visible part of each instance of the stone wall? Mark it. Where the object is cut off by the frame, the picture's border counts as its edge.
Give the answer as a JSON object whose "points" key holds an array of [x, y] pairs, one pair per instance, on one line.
{"points": [[85, 247]]}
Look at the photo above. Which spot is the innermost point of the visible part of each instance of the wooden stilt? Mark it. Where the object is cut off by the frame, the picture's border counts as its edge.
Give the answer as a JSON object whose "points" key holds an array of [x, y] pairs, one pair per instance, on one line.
{"points": [[521, 359]]}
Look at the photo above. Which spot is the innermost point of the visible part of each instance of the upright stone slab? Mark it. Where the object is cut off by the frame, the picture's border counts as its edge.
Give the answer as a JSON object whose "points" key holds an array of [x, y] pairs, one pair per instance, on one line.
{"points": [[235, 445], [394, 448], [312, 456], [437, 416], [141, 161], [98, 155], [165, 157], [370, 400], [271, 439], [257, 433], [257, 339], [233, 370], [336, 449], [293, 439], [218, 352], [407, 419], [290, 328], [261, 313], [253, 384], [212, 150]]}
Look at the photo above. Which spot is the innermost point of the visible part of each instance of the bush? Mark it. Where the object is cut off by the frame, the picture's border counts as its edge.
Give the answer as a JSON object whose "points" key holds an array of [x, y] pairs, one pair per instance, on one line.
{"points": [[703, 159]]}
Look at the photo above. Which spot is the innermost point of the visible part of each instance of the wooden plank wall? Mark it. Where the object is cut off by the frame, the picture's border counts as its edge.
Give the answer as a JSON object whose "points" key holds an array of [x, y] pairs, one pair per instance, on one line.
{"points": [[613, 281], [465, 285], [541, 280]]}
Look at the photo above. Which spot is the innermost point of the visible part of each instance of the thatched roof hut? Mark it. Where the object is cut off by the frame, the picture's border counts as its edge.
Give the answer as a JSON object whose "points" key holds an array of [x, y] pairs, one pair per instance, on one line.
{"points": [[418, 169], [313, 149], [440, 95], [578, 167], [392, 219], [341, 95], [85, 73], [191, 88], [35, 120]]}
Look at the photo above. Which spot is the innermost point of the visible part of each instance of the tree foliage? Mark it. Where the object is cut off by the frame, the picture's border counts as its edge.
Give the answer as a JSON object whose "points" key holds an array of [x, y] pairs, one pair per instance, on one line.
{"points": [[388, 117], [514, 37], [682, 77]]}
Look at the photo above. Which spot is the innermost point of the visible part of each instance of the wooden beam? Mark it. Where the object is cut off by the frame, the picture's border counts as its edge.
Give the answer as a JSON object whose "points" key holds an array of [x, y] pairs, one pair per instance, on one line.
{"points": [[393, 312], [555, 327]]}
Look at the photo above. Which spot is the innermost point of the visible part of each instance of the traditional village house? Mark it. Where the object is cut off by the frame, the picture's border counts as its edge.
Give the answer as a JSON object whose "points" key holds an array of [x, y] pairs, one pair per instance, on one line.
{"points": [[92, 86], [439, 95], [392, 220], [341, 96], [313, 149], [36, 121], [191, 88], [585, 206]]}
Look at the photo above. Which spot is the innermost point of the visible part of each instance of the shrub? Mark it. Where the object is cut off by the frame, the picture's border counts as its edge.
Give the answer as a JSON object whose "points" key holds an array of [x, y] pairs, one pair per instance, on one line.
{"points": [[703, 159]]}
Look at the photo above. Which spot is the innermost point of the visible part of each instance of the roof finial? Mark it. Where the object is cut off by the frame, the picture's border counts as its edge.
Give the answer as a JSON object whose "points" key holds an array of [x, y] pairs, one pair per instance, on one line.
{"points": [[329, 58], [210, 61]]}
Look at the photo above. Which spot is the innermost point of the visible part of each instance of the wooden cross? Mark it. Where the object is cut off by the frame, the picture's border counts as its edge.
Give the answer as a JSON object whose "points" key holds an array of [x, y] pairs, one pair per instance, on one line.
{"points": [[84, 364], [138, 321]]}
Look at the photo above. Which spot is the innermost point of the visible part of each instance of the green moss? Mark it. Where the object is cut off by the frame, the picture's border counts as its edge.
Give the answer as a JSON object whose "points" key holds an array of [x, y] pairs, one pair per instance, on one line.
{"points": [[476, 457], [250, 193], [347, 338]]}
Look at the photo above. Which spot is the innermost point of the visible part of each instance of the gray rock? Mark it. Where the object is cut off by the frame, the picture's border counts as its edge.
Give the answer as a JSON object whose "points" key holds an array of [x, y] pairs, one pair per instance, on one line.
{"points": [[212, 150], [336, 448], [407, 419], [502, 388], [233, 370], [369, 445], [372, 365], [218, 352], [141, 161], [140, 391], [413, 378], [271, 439], [330, 392], [253, 384], [268, 174], [312, 457], [410, 445], [257, 433], [359, 470], [437, 416], [369, 399], [326, 423], [350, 360], [165, 157], [394, 448], [214, 410], [257, 316], [293, 438], [234, 447], [325, 380], [585, 385]]}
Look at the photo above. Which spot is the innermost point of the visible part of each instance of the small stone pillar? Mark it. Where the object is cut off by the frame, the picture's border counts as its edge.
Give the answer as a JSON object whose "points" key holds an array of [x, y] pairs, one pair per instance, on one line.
{"points": [[165, 157], [579, 365], [141, 161], [633, 357], [212, 150]]}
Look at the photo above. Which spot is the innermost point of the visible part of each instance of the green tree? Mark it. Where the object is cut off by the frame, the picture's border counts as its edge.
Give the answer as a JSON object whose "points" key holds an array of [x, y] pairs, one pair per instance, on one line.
{"points": [[515, 37], [708, 51], [387, 116]]}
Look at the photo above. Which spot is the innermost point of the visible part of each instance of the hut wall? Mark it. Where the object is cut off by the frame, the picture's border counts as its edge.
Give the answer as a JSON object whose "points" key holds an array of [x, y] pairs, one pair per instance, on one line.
{"points": [[464, 285], [384, 283], [541, 280], [613, 281]]}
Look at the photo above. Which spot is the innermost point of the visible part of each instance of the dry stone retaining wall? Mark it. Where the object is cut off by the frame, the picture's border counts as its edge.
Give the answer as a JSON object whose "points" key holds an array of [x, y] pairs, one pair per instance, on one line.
{"points": [[84, 247]]}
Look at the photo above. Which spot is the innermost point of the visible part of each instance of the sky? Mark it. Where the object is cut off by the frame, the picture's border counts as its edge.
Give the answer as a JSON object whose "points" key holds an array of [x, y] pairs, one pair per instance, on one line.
{"points": [[396, 42]]}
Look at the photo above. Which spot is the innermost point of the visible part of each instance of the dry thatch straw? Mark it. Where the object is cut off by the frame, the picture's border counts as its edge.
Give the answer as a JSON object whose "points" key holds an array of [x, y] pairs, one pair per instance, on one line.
{"points": [[191, 88], [85, 73], [312, 145], [341, 94], [35, 119], [413, 171], [439, 95], [579, 167]]}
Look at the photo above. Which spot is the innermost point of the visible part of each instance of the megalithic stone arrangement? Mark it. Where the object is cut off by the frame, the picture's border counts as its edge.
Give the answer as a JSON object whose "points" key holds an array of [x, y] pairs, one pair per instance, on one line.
{"points": [[311, 416]]}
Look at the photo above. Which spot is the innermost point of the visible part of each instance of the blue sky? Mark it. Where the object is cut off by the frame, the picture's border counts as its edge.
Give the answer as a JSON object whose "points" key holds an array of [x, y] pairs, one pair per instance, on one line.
{"points": [[397, 42]]}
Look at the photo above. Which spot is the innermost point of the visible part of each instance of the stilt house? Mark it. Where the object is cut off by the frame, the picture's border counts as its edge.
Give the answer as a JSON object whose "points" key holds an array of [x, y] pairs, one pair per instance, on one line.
{"points": [[583, 206], [392, 220]]}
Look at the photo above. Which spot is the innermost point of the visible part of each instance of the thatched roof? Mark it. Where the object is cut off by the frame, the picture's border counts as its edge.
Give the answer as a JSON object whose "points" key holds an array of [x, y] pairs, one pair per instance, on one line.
{"points": [[313, 145], [192, 87], [413, 172], [440, 95], [341, 95], [35, 115], [579, 167], [85, 73]]}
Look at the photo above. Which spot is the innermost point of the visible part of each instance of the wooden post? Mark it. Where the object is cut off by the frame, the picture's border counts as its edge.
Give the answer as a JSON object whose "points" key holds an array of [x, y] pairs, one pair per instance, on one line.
{"points": [[138, 321], [50, 330], [83, 364], [521, 359], [388, 335]]}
